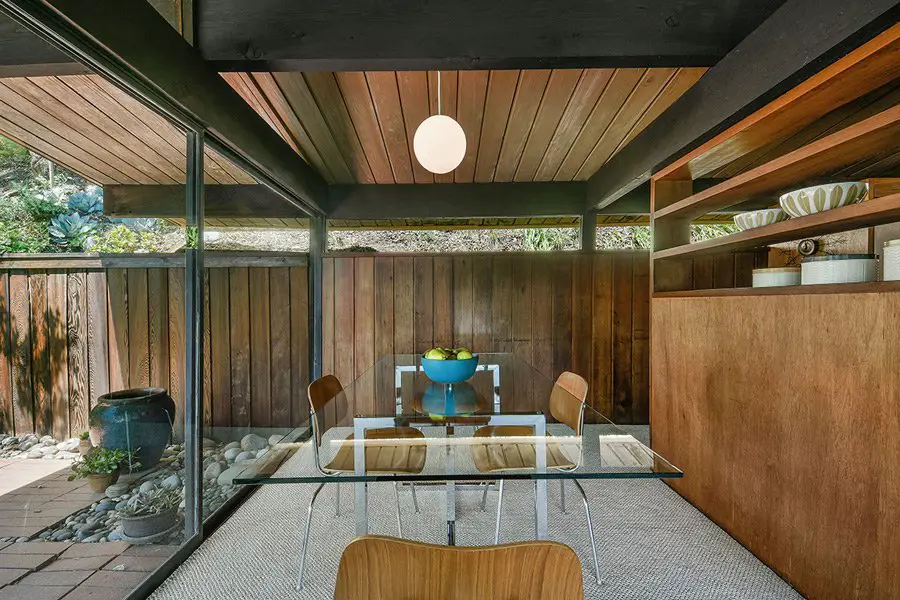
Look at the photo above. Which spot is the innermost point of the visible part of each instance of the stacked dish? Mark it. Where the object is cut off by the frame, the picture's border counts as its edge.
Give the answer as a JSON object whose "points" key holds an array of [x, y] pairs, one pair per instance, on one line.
{"points": [[891, 260], [819, 198], [776, 277], [759, 218], [839, 268]]}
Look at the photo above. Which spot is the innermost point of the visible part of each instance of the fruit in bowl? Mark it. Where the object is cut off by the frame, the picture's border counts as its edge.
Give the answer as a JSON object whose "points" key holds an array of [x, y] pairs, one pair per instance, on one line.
{"points": [[449, 365]]}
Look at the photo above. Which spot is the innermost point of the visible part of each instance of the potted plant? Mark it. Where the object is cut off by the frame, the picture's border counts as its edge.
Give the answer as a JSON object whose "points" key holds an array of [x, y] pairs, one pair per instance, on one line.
{"points": [[84, 443], [101, 467], [151, 513]]}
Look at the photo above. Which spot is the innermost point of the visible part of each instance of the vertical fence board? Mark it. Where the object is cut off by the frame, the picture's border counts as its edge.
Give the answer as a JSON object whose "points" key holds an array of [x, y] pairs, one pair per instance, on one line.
{"points": [[158, 326], [40, 349], [176, 345], [6, 391], [582, 298], [384, 333], [622, 321], [77, 336], [280, 311], [260, 344], [364, 333], [220, 346], [343, 322], [98, 335], [423, 302], [463, 298], [138, 329], [443, 302], [601, 335], [239, 323], [300, 345], [328, 316], [404, 311], [482, 303], [542, 324], [117, 326], [521, 332], [59, 355], [640, 336], [562, 315], [20, 347]]}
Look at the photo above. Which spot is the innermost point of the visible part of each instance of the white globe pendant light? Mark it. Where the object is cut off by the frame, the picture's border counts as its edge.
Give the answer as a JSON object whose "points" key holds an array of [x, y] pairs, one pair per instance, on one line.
{"points": [[440, 142]]}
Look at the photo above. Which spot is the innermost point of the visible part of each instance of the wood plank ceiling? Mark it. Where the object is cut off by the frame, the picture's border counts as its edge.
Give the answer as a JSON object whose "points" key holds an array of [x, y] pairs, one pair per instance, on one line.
{"points": [[92, 128], [529, 125]]}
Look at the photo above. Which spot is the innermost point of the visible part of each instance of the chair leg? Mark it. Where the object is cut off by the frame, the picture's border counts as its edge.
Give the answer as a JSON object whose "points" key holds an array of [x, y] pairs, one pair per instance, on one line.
{"points": [[587, 514], [309, 512], [562, 494], [487, 485], [399, 522], [499, 508], [412, 487], [337, 499]]}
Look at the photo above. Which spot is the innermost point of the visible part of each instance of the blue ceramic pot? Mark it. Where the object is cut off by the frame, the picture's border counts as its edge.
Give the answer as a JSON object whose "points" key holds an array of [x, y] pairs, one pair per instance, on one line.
{"points": [[137, 419], [450, 371]]}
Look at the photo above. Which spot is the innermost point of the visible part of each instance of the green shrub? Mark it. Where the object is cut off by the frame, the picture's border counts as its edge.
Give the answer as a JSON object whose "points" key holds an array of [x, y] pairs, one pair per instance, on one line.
{"points": [[104, 461], [121, 239]]}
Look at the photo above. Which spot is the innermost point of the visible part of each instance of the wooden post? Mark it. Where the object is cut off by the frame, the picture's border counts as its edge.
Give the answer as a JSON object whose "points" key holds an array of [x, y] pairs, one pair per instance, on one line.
{"points": [[589, 231]]}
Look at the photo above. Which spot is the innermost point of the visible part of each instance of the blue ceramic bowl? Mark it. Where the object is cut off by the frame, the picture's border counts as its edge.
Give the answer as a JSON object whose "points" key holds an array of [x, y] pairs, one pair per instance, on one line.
{"points": [[450, 371]]}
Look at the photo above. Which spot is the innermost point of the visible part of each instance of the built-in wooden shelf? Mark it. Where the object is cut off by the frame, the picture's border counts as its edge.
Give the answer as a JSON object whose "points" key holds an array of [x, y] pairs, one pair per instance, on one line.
{"points": [[873, 212], [870, 137], [788, 290]]}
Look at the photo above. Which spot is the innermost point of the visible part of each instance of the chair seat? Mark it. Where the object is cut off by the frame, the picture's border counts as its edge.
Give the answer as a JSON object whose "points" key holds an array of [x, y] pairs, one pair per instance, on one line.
{"points": [[515, 456], [384, 458]]}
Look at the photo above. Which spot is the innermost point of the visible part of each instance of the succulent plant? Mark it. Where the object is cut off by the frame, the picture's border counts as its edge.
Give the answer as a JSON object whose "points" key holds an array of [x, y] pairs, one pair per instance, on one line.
{"points": [[160, 500], [89, 202], [72, 231]]}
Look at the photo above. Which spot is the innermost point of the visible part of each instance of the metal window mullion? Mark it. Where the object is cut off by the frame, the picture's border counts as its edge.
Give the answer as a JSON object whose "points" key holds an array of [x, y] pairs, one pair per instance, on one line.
{"points": [[193, 307], [317, 244]]}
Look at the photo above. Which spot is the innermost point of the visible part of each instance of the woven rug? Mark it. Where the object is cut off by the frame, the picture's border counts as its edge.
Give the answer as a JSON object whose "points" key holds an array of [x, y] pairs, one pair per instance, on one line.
{"points": [[652, 544]]}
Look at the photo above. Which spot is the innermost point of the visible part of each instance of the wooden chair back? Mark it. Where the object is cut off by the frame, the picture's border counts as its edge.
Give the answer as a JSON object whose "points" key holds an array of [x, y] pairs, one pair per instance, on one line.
{"points": [[567, 400], [320, 392], [384, 568]]}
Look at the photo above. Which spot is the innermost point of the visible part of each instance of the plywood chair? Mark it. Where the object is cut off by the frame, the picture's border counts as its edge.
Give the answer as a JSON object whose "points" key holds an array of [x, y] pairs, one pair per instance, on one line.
{"points": [[386, 458], [566, 406], [383, 568]]}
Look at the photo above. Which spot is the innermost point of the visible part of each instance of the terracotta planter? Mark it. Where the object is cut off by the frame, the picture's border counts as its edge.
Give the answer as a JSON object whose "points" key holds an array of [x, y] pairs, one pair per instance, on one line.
{"points": [[85, 447], [100, 481], [149, 525]]}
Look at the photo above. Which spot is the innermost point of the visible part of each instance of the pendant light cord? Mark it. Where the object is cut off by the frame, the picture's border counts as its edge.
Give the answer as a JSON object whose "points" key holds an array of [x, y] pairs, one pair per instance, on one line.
{"points": [[439, 92]]}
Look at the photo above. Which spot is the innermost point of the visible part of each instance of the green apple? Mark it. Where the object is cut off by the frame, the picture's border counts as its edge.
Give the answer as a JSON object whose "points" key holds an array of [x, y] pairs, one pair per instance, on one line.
{"points": [[464, 355], [435, 354]]}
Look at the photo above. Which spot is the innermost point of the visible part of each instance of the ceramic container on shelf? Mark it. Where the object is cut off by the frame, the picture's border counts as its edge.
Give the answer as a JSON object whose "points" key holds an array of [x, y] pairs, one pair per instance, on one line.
{"points": [[891, 260], [759, 218], [819, 198], [776, 277], [839, 268]]}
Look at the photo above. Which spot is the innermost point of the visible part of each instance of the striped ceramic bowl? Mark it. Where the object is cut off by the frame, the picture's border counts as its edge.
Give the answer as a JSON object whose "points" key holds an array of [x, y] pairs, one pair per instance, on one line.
{"points": [[819, 198], [758, 218]]}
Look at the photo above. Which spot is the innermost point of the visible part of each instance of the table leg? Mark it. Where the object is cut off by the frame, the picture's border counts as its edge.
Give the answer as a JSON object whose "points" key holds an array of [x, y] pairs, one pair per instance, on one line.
{"points": [[540, 488], [359, 467]]}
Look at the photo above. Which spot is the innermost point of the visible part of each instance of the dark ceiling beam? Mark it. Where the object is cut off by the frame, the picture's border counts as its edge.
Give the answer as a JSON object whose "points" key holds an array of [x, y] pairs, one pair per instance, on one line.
{"points": [[148, 55], [799, 39], [472, 34], [23, 54], [222, 202]]}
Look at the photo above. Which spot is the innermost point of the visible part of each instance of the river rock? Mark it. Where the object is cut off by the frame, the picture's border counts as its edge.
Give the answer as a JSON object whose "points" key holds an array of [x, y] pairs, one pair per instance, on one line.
{"points": [[231, 445], [35, 453], [208, 443], [231, 454], [147, 487], [116, 490], [228, 475], [67, 446], [262, 453], [47, 439], [26, 445], [172, 482], [253, 442], [213, 471], [49, 450], [274, 439], [244, 456]]}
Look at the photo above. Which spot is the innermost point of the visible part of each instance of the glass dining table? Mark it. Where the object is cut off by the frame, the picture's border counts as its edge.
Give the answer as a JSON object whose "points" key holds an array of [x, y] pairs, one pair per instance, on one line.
{"points": [[508, 421]]}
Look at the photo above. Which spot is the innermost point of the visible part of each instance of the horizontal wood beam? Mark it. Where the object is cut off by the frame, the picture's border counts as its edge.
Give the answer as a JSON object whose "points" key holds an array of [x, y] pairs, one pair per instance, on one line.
{"points": [[472, 34], [799, 39], [154, 57], [23, 54], [222, 202], [94, 260]]}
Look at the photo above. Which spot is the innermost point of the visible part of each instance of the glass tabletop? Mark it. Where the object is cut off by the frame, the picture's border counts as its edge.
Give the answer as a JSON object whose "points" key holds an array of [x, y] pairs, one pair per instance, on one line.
{"points": [[507, 420]]}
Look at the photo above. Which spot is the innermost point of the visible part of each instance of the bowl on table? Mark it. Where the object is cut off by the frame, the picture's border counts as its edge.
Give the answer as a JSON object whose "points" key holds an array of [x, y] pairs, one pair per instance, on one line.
{"points": [[819, 198], [759, 218], [450, 371]]}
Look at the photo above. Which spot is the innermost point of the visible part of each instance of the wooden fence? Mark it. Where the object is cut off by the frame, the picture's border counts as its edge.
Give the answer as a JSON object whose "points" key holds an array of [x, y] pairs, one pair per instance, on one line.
{"points": [[588, 313], [75, 327]]}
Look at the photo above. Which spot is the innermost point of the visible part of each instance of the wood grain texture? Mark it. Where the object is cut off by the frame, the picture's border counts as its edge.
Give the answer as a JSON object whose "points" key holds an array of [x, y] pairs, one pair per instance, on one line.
{"points": [[260, 347], [553, 312], [77, 338], [7, 422], [374, 568], [739, 436], [98, 335], [59, 361]]}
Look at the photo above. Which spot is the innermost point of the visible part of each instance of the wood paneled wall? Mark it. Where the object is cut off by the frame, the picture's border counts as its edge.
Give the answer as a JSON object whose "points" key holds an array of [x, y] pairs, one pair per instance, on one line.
{"points": [[784, 413], [588, 313], [68, 335]]}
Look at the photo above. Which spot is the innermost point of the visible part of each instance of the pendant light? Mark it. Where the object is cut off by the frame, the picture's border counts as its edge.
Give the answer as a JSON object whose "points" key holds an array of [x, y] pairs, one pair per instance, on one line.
{"points": [[440, 142]]}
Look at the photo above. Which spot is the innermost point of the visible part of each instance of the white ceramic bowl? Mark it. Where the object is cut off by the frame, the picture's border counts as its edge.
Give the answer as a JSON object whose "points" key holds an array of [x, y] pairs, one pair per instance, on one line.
{"points": [[759, 218], [839, 268], [891, 260], [819, 198], [776, 277]]}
